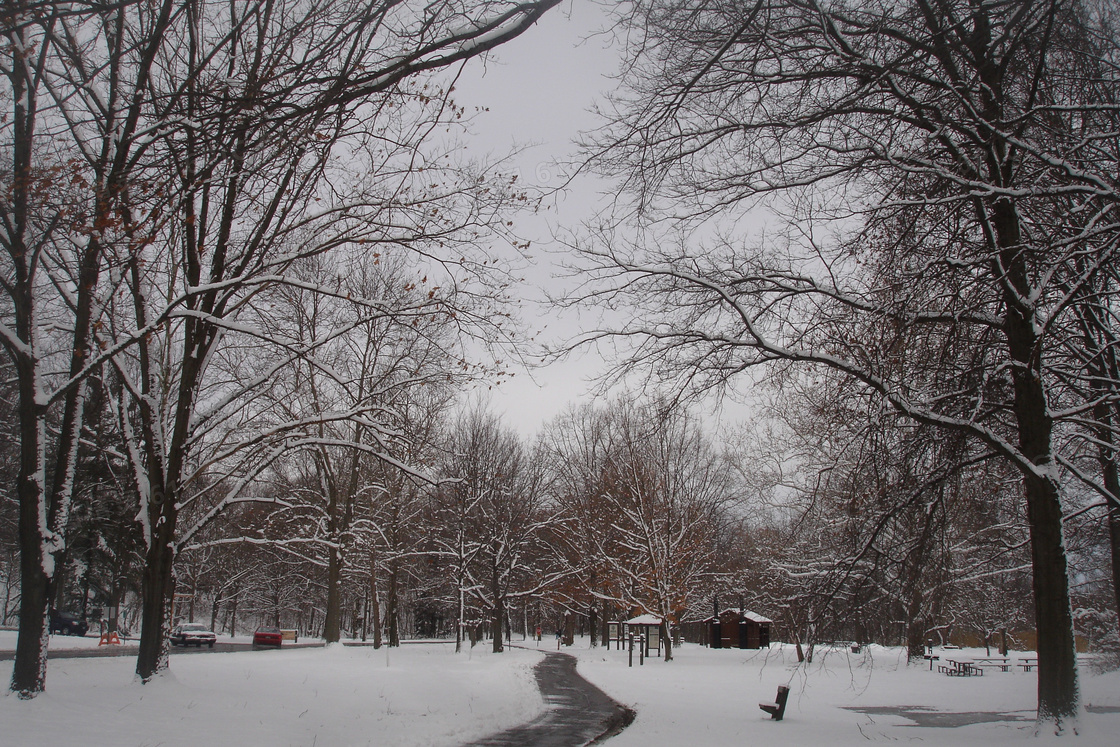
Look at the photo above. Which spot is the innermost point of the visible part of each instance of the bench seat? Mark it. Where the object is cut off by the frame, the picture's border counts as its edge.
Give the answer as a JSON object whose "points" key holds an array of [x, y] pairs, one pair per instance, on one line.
{"points": [[777, 709]]}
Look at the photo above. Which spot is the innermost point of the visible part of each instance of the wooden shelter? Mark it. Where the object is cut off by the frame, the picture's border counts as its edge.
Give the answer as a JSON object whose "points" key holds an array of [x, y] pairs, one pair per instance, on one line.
{"points": [[735, 629], [649, 627]]}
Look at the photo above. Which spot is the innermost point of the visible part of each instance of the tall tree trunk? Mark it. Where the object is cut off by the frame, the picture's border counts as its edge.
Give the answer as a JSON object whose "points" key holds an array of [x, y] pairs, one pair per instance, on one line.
{"points": [[915, 639], [498, 613], [30, 668], [1104, 371], [233, 614], [332, 623], [158, 589], [593, 617], [391, 607], [365, 616], [164, 471], [1111, 472], [1058, 696], [375, 599], [42, 516], [459, 618], [1114, 536], [916, 623]]}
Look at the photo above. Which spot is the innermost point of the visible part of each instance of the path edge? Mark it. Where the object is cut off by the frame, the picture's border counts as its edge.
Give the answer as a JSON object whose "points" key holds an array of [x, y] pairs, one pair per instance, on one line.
{"points": [[623, 715]]}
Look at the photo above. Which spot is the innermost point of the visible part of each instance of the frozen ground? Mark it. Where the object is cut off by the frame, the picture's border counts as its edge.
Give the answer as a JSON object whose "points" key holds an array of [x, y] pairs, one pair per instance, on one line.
{"points": [[426, 695], [414, 695], [710, 697]]}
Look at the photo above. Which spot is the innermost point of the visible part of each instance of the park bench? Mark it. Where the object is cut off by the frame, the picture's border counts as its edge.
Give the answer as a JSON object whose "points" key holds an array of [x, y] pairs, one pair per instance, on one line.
{"points": [[777, 709], [1028, 663]]}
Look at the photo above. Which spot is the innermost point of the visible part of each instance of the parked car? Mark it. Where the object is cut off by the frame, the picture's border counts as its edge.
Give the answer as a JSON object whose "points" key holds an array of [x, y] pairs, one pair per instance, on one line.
{"points": [[192, 634], [268, 637], [67, 623]]}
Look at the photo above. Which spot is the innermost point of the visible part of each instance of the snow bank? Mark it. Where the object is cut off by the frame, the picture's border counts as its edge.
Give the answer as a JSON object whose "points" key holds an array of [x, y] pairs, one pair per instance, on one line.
{"points": [[414, 695]]}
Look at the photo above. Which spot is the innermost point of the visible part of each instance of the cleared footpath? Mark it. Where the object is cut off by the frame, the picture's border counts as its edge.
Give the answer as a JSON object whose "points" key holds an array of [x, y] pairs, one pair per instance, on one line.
{"points": [[578, 712]]}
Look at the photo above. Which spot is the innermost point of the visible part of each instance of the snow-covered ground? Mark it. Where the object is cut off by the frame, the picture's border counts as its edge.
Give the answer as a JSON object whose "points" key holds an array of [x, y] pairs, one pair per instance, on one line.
{"points": [[91, 640], [711, 697], [58, 642], [337, 696], [426, 695]]}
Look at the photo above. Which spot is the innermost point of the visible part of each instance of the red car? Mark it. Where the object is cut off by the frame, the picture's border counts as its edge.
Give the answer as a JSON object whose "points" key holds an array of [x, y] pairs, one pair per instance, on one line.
{"points": [[267, 637]]}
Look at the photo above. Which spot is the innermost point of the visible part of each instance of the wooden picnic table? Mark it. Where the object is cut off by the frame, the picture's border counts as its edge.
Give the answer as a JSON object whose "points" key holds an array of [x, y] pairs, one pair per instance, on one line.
{"points": [[1028, 662], [961, 668], [1002, 662]]}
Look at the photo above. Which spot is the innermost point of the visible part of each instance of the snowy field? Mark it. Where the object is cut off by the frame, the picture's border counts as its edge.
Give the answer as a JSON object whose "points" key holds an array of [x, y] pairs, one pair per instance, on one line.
{"points": [[8, 639], [426, 695], [414, 695], [710, 697]]}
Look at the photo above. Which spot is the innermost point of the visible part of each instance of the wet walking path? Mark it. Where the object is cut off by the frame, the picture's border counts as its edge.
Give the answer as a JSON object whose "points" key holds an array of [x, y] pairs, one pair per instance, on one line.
{"points": [[578, 712]]}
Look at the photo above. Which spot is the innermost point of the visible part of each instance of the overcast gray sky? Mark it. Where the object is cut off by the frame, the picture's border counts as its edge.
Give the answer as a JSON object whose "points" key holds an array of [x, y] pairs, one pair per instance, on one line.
{"points": [[539, 90]]}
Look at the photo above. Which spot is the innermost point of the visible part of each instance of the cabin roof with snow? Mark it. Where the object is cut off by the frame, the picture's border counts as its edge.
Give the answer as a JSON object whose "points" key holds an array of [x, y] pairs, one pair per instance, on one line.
{"points": [[745, 615]]}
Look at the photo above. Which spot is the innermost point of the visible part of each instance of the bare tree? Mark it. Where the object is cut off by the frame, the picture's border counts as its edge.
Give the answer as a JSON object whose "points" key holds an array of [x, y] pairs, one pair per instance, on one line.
{"points": [[218, 138], [393, 529], [940, 173], [72, 144], [576, 447], [884, 521], [483, 512], [357, 403], [665, 489], [641, 495], [1097, 357]]}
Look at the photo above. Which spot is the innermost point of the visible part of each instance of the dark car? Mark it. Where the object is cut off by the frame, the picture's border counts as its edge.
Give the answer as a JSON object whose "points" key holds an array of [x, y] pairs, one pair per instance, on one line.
{"points": [[193, 634], [67, 623], [268, 637]]}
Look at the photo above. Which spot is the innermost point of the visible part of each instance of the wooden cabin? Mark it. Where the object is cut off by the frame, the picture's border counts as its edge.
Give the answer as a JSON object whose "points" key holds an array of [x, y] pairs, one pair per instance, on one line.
{"points": [[735, 629]]}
